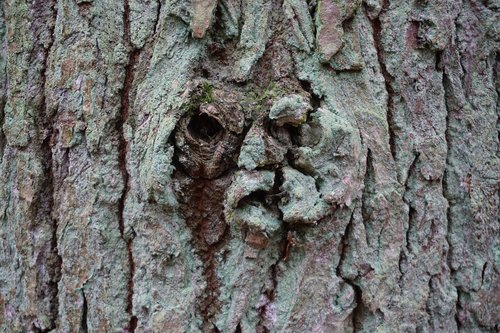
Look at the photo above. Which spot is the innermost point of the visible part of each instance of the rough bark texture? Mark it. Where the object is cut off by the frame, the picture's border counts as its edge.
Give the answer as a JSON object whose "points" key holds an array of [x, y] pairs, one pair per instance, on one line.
{"points": [[249, 166]]}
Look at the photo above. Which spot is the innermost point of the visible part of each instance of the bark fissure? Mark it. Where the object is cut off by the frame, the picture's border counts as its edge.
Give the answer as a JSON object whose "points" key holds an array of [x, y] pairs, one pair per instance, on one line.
{"points": [[357, 312], [123, 147], [445, 187], [84, 321], [3, 92], [57, 263], [270, 294], [412, 213], [377, 37], [458, 320], [45, 138], [129, 77], [343, 244], [157, 19]]}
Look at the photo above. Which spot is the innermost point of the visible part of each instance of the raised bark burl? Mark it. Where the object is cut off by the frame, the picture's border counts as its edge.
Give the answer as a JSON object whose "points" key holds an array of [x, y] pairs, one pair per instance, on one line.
{"points": [[224, 131], [208, 136], [271, 150]]}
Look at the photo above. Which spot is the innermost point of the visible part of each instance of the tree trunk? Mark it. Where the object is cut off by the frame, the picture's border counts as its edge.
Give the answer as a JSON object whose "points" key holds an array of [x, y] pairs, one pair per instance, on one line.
{"points": [[249, 166]]}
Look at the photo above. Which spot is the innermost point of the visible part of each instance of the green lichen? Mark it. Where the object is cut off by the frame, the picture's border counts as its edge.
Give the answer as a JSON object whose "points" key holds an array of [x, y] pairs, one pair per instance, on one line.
{"points": [[206, 96], [257, 98], [207, 93]]}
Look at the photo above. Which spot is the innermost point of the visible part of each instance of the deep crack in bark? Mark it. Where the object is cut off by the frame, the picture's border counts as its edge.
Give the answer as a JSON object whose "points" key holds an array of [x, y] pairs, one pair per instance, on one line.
{"points": [[377, 37], [3, 96], [123, 146], [446, 191], [56, 264], [84, 321], [45, 204]]}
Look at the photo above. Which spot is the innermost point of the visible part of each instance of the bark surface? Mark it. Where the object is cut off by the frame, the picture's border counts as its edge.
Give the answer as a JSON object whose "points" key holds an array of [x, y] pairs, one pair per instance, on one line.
{"points": [[249, 166]]}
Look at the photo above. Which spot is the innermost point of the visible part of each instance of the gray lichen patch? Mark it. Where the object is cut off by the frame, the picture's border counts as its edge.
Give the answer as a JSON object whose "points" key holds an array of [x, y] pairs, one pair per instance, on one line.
{"points": [[254, 34], [301, 24], [259, 148], [230, 13], [291, 109], [301, 202], [349, 57], [242, 209], [245, 183], [256, 216], [336, 169]]}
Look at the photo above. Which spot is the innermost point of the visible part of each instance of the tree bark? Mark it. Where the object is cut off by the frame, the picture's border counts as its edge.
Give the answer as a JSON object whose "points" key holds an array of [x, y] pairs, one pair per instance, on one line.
{"points": [[249, 166]]}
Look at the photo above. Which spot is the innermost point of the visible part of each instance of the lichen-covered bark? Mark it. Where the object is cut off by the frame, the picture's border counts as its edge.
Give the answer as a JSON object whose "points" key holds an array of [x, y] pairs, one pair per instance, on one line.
{"points": [[249, 166]]}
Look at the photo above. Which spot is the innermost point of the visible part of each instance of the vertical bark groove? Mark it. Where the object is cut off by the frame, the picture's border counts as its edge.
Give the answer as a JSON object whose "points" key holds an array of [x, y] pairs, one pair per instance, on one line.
{"points": [[377, 37], [84, 326], [123, 147], [3, 78]]}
